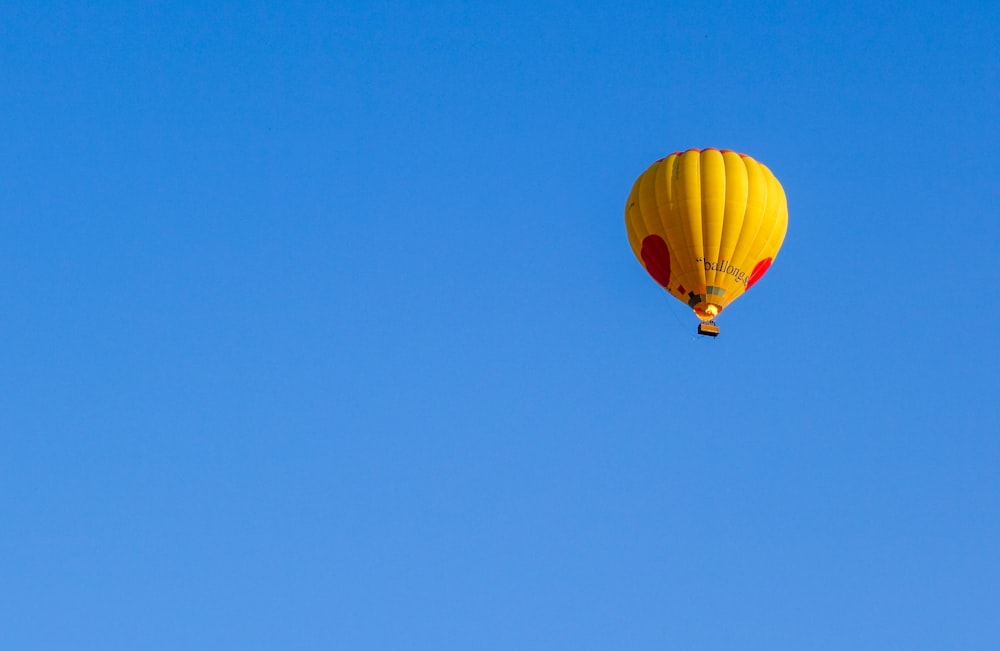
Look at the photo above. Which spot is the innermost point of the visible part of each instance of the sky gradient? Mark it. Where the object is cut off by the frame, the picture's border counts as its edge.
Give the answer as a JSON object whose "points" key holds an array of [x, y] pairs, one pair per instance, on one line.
{"points": [[320, 329]]}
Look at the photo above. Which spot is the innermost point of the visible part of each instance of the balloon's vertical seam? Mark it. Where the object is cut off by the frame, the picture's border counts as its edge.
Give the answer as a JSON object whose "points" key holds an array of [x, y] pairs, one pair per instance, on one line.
{"points": [[742, 250], [713, 201], [736, 208], [690, 162], [759, 245], [661, 187]]}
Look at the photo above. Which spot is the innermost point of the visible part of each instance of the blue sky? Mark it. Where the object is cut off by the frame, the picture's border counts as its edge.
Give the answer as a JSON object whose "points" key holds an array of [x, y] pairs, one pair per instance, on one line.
{"points": [[320, 329]]}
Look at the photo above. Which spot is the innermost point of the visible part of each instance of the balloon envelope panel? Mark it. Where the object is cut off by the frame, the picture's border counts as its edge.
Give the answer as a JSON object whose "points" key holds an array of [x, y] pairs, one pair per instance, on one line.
{"points": [[706, 225]]}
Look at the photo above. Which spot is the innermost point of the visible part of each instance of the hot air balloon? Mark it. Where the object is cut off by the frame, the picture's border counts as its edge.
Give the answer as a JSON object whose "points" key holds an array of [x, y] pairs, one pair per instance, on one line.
{"points": [[706, 224]]}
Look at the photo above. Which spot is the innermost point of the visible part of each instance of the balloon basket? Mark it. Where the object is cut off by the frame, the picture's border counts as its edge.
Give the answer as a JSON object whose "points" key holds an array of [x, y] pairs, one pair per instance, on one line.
{"points": [[709, 329]]}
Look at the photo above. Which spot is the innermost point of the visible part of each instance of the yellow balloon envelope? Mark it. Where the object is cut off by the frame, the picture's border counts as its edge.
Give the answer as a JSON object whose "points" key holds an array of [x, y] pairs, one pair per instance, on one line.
{"points": [[706, 225]]}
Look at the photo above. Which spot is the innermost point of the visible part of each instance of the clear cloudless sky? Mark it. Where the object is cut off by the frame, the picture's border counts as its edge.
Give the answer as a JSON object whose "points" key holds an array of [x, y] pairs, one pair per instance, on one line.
{"points": [[319, 328]]}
